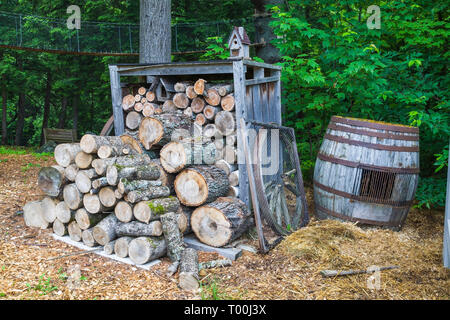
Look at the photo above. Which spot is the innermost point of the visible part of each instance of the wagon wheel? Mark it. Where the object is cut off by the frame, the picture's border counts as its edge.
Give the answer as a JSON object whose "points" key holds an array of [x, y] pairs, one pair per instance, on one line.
{"points": [[108, 127], [281, 193]]}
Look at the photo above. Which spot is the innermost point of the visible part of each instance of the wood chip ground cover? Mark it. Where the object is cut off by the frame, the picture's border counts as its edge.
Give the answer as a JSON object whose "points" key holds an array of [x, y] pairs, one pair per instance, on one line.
{"points": [[291, 271]]}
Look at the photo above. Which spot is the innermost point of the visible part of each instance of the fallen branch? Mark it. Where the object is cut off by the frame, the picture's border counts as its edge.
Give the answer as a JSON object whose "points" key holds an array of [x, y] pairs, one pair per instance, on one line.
{"points": [[336, 273]]}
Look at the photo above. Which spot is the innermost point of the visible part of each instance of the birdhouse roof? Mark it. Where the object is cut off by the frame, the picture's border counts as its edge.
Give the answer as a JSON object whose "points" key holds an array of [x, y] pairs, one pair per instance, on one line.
{"points": [[244, 38]]}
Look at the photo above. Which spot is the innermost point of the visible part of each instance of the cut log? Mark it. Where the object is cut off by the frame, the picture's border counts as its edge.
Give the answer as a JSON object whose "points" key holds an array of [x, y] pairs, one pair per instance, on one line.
{"points": [[49, 209], [139, 229], [51, 181], [128, 102], [107, 197], [181, 101], [59, 228], [213, 98], [63, 212], [220, 144], [70, 172], [133, 120], [72, 196], [150, 96], [158, 130], [119, 147], [233, 192], [131, 142], [148, 110], [225, 123], [210, 112], [234, 178], [188, 112], [88, 238], [116, 172], [158, 111], [215, 264], [197, 105], [75, 232], [169, 106], [167, 179], [231, 139], [146, 211], [118, 194], [180, 87], [93, 204], [229, 154], [224, 90], [199, 87], [65, 153], [88, 220], [144, 100], [190, 92], [142, 91], [126, 186], [101, 165], [145, 249], [188, 277], [225, 166], [109, 247], [138, 107], [172, 269], [184, 219], [200, 119], [105, 230], [175, 156], [137, 98], [83, 180], [90, 143], [148, 194], [201, 184], [100, 182], [209, 130], [124, 211], [34, 216], [173, 236], [227, 103], [220, 222], [83, 160], [121, 246]]}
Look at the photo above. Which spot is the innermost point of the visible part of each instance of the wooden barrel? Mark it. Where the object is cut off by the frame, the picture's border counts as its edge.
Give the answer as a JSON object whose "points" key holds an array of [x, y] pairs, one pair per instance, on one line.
{"points": [[367, 172]]}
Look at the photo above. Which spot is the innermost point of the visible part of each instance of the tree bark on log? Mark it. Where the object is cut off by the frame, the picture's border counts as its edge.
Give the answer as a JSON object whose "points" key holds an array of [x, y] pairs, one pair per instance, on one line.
{"points": [[146, 211], [75, 232], [225, 166], [220, 222], [166, 178], [130, 142], [115, 172], [139, 229], [105, 230], [158, 130], [124, 211], [126, 186], [148, 194], [99, 183], [49, 209], [215, 264], [100, 165], [72, 196], [224, 90], [233, 192], [50, 181], [173, 236], [83, 160], [201, 184], [90, 143], [88, 220], [184, 219], [34, 216], [64, 213], [169, 107], [188, 277], [59, 228], [65, 153], [144, 249], [88, 238], [121, 246]]}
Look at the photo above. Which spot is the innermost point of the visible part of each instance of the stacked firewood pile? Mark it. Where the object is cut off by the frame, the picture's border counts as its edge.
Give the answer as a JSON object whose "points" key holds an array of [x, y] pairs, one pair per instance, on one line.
{"points": [[114, 192]]}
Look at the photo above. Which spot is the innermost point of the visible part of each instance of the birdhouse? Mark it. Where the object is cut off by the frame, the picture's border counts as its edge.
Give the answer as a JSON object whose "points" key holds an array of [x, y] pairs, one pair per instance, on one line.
{"points": [[239, 43]]}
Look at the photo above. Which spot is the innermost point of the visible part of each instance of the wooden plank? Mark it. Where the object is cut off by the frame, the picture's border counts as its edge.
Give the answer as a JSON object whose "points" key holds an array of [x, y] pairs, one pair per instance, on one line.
{"points": [[230, 253], [261, 65], [241, 112], [179, 70], [253, 82], [116, 95], [277, 97], [446, 250]]}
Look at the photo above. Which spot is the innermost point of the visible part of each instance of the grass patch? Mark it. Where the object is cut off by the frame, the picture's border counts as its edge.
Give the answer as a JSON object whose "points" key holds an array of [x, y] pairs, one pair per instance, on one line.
{"points": [[44, 286], [210, 291], [29, 166]]}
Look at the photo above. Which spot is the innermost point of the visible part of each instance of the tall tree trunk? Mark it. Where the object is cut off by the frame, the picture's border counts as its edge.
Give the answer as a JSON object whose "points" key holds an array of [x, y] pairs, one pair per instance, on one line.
{"points": [[76, 104], [48, 91], [20, 109], [62, 116], [4, 97], [155, 31], [263, 32]]}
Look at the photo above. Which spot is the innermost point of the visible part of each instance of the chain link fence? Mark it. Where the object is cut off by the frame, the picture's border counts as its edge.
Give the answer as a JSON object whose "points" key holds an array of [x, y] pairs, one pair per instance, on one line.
{"points": [[28, 31]]}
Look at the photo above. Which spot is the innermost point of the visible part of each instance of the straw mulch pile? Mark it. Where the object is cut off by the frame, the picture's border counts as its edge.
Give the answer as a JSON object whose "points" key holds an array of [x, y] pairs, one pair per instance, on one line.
{"points": [[291, 271]]}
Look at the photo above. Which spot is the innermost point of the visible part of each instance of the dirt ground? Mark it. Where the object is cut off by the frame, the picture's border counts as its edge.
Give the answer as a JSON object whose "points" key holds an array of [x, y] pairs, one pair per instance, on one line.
{"points": [[290, 271]]}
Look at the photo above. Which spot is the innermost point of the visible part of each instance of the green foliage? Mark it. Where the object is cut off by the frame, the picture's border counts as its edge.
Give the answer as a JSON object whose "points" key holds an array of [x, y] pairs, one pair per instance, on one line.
{"points": [[29, 166], [44, 286], [210, 291], [429, 192], [217, 49], [334, 65]]}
